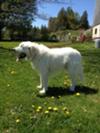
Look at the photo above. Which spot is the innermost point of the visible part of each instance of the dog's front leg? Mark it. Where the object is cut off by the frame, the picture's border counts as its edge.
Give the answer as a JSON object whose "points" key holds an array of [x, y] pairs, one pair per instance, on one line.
{"points": [[40, 86], [44, 81]]}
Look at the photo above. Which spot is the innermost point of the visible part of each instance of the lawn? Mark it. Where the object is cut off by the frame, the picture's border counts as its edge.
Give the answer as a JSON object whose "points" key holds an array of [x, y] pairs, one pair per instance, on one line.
{"points": [[22, 110]]}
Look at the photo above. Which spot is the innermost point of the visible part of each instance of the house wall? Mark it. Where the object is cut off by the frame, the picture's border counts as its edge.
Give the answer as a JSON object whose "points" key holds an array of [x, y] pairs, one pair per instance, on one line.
{"points": [[96, 32]]}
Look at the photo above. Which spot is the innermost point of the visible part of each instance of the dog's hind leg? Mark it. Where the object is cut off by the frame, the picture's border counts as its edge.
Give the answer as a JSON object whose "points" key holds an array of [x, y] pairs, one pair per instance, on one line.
{"points": [[80, 72], [73, 76], [74, 82]]}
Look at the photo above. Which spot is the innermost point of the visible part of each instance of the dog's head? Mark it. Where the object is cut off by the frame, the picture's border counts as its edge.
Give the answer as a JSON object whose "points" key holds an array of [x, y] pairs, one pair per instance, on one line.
{"points": [[25, 50]]}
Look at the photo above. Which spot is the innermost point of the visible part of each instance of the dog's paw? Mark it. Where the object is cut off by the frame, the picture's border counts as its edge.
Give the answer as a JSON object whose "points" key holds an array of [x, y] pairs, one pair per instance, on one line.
{"points": [[42, 92], [72, 89], [39, 86]]}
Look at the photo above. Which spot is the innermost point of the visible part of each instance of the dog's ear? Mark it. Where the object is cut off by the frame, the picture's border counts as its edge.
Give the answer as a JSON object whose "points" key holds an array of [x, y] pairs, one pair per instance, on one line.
{"points": [[33, 52]]}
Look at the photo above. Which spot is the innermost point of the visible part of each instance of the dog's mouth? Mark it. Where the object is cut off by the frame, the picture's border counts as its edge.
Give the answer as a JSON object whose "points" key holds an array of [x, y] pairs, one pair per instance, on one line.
{"points": [[20, 56]]}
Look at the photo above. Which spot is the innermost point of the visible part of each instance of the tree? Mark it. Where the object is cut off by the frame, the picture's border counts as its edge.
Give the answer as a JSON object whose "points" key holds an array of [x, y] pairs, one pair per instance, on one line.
{"points": [[71, 18], [66, 19], [84, 24], [77, 20], [16, 14], [62, 22], [35, 34], [52, 24], [58, 23], [42, 2], [44, 33]]}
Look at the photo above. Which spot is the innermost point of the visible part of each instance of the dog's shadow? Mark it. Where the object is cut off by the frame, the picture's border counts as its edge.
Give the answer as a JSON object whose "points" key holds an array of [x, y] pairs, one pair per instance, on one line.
{"points": [[60, 91]]}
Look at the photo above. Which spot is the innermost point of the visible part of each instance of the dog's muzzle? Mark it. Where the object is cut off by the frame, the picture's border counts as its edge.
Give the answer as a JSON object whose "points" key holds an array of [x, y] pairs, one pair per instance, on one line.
{"points": [[19, 55]]}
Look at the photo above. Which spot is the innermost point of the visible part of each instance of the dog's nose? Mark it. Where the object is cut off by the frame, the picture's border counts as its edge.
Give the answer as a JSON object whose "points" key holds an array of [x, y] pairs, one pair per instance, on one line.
{"points": [[15, 49]]}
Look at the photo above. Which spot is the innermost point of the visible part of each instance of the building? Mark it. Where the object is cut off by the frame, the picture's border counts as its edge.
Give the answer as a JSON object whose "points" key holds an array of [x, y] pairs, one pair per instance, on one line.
{"points": [[96, 25]]}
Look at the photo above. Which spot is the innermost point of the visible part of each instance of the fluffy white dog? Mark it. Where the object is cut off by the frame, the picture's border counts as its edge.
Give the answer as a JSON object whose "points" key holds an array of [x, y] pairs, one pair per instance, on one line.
{"points": [[47, 61]]}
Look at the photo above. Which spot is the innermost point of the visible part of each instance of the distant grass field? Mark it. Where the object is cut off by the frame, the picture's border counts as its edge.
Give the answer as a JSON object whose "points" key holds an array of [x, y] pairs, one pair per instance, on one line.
{"points": [[22, 110]]}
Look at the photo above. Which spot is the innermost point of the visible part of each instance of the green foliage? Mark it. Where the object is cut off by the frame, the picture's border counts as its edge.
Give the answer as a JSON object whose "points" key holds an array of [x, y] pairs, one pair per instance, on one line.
{"points": [[44, 33], [16, 15], [71, 17], [52, 24], [68, 19], [84, 24], [38, 34], [34, 34], [62, 20]]}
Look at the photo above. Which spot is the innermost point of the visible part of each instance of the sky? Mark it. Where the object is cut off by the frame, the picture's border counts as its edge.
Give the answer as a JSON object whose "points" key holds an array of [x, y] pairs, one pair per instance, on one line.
{"points": [[51, 10]]}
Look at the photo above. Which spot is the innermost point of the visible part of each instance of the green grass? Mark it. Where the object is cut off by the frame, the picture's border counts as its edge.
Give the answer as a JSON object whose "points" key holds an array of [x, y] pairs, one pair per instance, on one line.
{"points": [[19, 99]]}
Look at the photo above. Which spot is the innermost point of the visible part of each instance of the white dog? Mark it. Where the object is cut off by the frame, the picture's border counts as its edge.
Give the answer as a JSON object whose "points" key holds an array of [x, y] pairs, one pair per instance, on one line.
{"points": [[47, 61]]}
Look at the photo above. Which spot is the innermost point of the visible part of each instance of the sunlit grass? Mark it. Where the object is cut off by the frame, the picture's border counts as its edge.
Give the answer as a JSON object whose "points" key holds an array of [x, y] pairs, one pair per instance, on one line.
{"points": [[22, 110]]}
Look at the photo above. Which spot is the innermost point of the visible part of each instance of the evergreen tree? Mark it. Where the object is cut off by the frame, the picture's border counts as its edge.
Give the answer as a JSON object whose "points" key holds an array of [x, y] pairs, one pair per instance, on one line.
{"points": [[52, 24], [35, 34], [62, 22], [66, 19], [77, 20], [44, 33], [71, 18], [84, 20]]}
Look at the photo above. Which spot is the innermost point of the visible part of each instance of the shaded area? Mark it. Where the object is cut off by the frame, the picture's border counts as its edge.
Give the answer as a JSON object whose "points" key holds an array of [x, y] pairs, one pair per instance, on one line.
{"points": [[86, 90], [60, 91]]}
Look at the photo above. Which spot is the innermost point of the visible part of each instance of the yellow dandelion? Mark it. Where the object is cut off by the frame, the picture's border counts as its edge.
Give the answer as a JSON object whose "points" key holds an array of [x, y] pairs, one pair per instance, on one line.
{"points": [[77, 94], [64, 109], [13, 72], [55, 109], [8, 85], [17, 120], [52, 97], [46, 112], [39, 107], [7, 131], [13, 112], [38, 110], [59, 96], [84, 109], [50, 108], [33, 106], [67, 113], [45, 103], [65, 82]]}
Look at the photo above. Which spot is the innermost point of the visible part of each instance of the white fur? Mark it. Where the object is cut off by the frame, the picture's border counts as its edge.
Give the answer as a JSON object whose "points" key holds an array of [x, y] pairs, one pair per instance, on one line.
{"points": [[47, 61]]}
